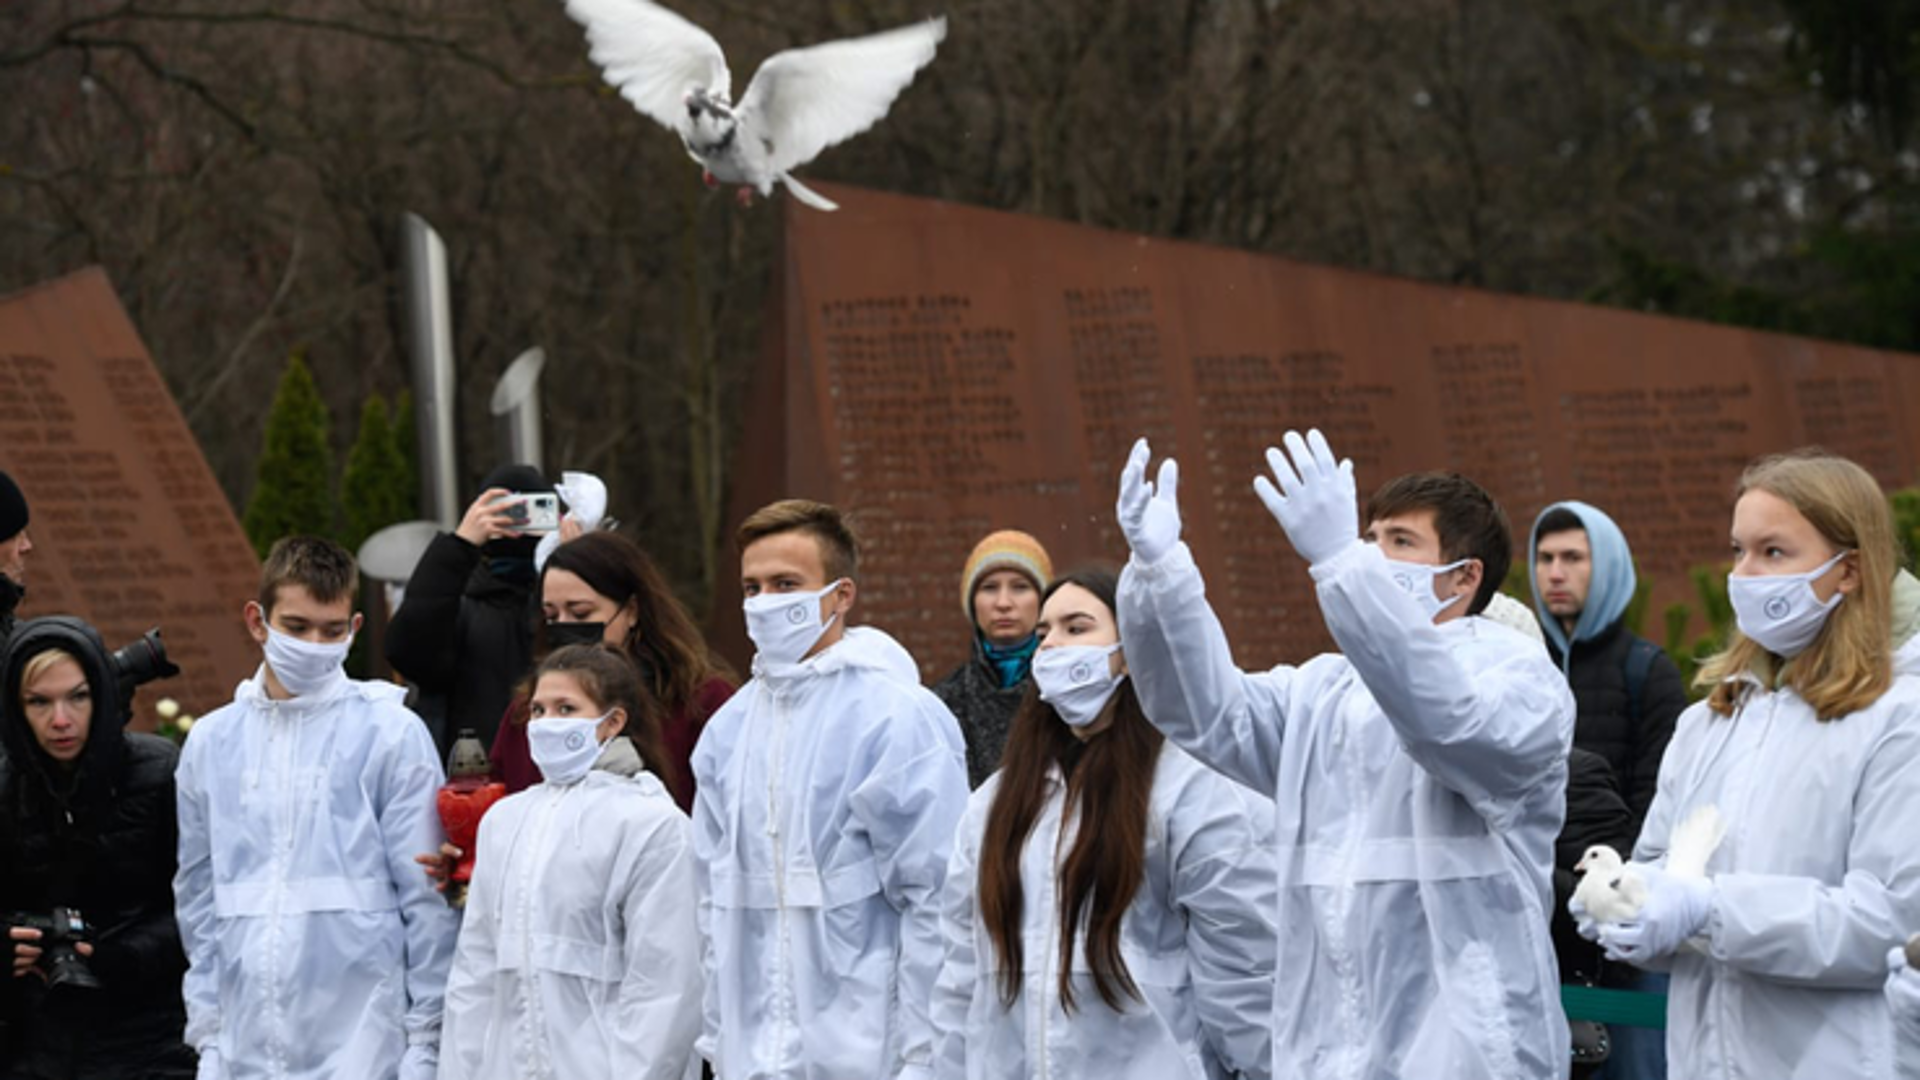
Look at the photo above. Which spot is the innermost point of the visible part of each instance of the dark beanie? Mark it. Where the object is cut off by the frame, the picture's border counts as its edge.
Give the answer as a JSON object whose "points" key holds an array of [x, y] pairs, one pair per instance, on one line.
{"points": [[515, 478], [13, 508]]}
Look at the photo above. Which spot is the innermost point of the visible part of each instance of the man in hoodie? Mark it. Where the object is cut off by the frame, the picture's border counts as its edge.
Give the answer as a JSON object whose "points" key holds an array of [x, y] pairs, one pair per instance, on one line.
{"points": [[14, 546], [829, 788], [1628, 693], [315, 947], [464, 634]]}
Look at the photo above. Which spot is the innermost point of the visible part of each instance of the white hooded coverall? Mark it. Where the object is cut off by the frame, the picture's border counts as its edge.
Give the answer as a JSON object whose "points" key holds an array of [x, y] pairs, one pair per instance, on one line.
{"points": [[828, 793], [1818, 875], [580, 954], [1419, 781], [316, 947], [1195, 939]]}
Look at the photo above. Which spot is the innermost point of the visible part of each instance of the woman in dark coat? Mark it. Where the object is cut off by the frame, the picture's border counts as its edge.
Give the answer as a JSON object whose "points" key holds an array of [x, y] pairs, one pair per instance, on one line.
{"points": [[1000, 591], [86, 823]]}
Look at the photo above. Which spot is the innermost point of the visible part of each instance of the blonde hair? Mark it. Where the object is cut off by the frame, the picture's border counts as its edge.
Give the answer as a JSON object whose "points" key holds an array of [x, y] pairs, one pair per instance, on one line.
{"points": [[39, 662], [1850, 664]]}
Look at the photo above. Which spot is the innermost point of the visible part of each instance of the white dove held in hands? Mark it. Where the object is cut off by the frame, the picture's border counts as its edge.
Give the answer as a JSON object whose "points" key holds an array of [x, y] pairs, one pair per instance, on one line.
{"points": [[1613, 891], [800, 102]]}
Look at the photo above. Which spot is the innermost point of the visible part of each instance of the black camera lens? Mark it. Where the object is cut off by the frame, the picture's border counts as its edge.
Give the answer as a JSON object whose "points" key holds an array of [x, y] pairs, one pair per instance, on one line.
{"points": [[143, 661]]}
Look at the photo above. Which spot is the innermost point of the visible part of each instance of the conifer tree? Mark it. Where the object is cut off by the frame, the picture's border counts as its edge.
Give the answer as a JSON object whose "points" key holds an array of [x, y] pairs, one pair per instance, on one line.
{"points": [[375, 488], [292, 486]]}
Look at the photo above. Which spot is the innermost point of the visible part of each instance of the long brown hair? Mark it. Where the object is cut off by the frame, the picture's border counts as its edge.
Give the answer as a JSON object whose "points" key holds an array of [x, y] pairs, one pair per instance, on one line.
{"points": [[664, 644], [1109, 786], [1850, 664], [608, 677]]}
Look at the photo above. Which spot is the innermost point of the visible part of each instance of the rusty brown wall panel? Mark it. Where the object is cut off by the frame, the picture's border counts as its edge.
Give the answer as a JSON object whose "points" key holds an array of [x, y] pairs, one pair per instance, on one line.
{"points": [[130, 528], [948, 371]]}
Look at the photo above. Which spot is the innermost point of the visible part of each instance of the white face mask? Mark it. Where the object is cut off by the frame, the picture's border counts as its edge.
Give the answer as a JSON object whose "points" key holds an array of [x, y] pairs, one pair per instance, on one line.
{"points": [[1418, 578], [1780, 611], [784, 626], [565, 747], [305, 667], [1077, 680]]}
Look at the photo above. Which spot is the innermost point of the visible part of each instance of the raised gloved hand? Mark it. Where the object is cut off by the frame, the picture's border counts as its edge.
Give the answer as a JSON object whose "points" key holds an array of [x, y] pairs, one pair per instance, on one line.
{"points": [[1149, 514], [1903, 992], [1315, 502], [1676, 908]]}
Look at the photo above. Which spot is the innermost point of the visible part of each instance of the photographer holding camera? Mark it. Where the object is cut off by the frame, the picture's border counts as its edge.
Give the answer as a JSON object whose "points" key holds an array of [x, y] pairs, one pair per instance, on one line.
{"points": [[464, 635], [87, 837]]}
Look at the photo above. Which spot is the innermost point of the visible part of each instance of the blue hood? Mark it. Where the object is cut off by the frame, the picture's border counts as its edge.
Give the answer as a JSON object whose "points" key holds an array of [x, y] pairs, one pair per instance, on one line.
{"points": [[1611, 588]]}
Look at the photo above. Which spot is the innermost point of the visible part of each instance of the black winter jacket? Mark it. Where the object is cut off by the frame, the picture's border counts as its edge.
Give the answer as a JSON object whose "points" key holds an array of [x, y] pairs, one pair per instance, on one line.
{"points": [[101, 839], [972, 692], [1596, 814], [464, 637], [1605, 725]]}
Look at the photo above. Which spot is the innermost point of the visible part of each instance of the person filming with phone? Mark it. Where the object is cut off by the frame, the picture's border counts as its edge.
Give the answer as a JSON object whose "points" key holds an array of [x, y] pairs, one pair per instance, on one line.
{"points": [[464, 634]]}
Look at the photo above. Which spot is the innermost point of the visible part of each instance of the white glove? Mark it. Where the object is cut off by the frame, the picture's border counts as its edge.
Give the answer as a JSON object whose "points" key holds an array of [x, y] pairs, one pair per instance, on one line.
{"points": [[1903, 994], [1315, 503], [209, 1065], [1149, 514], [1675, 910]]}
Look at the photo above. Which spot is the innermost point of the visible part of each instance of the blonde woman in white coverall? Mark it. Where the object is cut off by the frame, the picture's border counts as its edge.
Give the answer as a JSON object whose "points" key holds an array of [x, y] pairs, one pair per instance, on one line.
{"points": [[580, 957], [1809, 747], [1418, 776], [1165, 866]]}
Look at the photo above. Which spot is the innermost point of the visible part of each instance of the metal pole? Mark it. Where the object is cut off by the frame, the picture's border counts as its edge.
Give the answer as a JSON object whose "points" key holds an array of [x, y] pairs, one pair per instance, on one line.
{"points": [[430, 341], [516, 402]]}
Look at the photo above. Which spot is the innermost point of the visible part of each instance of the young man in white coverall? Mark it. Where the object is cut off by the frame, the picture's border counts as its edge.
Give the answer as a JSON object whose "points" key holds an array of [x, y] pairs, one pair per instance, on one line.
{"points": [[1419, 774], [316, 948], [828, 791]]}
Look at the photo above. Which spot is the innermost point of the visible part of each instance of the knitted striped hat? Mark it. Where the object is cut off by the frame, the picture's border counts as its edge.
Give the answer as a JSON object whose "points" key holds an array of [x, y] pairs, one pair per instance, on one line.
{"points": [[1008, 549]]}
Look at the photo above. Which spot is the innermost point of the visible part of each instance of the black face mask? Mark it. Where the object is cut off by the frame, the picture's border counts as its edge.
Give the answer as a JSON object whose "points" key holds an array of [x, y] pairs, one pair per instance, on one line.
{"points": [[575, 633]]}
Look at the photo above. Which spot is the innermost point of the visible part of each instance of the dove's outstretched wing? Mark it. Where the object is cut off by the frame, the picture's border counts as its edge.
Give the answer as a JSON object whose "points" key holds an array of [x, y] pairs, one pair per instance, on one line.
{"points": [[652, 55], [1694, 841], [804, 100]]}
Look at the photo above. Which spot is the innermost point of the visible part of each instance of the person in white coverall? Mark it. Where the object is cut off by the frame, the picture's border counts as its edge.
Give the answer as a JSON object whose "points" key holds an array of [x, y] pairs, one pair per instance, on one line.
{"points": [[580, 956], [1167, 868], [316, 949], [828, 789], [1419, 775], [1809, 748]]}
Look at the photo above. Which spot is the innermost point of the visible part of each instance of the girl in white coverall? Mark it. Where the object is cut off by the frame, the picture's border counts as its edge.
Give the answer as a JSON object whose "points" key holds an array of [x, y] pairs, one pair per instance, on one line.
{"points": [[1809, 745], [580, 957], [1106, 906]]}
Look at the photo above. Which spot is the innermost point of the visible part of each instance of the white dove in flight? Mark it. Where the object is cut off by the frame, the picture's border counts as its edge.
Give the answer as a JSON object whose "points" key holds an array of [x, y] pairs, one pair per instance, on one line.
{"points": [[800, 102], [1613, 891]]}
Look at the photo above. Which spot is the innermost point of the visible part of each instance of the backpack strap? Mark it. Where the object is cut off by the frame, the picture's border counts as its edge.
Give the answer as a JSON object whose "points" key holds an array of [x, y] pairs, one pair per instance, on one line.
{"points": [[1635, 669]]}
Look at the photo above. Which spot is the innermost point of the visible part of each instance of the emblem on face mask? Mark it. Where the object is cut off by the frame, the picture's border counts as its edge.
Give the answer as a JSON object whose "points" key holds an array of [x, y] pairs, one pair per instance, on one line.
{"points": [[1778, 607], [576, 740], [797, 614], [1405, 581], [1080, 673]]}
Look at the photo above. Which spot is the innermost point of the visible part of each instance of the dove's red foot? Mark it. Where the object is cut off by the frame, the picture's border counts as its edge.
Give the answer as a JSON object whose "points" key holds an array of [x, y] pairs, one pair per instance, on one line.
{"points": [[744, 195], [707, 179]]}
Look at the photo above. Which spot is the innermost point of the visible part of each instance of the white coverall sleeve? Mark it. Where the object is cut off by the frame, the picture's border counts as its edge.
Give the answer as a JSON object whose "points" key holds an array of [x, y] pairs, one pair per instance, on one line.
{"points": [[1183, 671], [1491, 735], [954, 989], [472, 981], [1225, 883], [660, 991], [706, 841], [410, 824], [193, 904], [1804, 931], [909, 808]]}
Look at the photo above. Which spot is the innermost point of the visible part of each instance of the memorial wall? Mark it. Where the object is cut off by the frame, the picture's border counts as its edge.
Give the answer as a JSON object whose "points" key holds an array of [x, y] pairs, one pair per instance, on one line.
{"points": [[130, 529], [945, 371]]}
